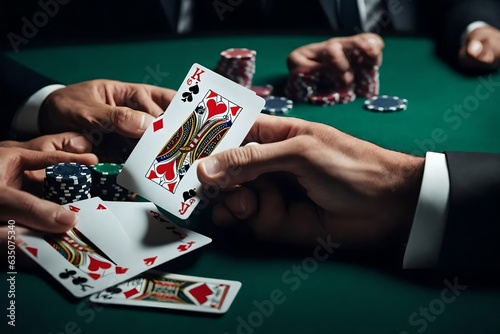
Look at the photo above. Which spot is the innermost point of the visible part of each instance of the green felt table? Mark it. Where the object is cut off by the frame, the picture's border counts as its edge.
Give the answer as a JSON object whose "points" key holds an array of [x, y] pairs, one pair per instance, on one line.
{"points": [[446, 111]]}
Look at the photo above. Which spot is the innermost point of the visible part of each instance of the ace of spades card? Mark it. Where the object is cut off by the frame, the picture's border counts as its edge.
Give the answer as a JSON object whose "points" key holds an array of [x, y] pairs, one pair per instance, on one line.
{"points": [[209, 114]]}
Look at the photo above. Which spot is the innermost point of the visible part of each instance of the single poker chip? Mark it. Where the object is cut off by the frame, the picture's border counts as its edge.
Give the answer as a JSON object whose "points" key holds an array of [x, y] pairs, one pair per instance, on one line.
{"points": [[277, 105], [263, 91], [68, 173], [238, 53], [107, 168], [385, 103]]}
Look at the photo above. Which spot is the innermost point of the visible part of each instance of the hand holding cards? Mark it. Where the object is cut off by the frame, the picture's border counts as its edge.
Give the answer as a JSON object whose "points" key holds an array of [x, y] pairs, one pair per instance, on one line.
{"points": [[114, 242], [209, 114]]}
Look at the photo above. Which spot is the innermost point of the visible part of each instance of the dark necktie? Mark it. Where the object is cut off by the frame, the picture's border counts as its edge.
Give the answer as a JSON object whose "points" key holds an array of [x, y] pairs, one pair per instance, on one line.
{"points": [[349, 20]]}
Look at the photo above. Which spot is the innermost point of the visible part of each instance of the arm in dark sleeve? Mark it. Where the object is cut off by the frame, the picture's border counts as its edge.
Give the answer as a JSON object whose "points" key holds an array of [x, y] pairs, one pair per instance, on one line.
{"points": [[454, 17], [471, 242], [17, 84]]}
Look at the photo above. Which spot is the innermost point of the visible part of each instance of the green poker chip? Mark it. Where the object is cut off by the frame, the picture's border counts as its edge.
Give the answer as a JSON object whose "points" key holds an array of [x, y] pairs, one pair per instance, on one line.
{"points": [[107, 168]]}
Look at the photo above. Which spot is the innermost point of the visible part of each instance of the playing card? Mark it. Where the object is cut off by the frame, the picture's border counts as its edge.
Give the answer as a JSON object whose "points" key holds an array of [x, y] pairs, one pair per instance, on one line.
{"points": [[171, 291], [100, 225], [209, 114], [73, 261], [154, 238], [140, 239]]}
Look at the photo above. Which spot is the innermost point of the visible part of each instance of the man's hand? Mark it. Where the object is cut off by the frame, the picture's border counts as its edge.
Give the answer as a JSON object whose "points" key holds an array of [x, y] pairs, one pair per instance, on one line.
{"points": [[26, 209], [339, 55], [111, 106], [72, 142], [68, 141], [481, 49], [306, 180]]}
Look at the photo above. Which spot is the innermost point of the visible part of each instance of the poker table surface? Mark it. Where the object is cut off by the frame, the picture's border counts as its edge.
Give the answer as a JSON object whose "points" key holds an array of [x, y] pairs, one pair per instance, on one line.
{"points": [[288, 289]]}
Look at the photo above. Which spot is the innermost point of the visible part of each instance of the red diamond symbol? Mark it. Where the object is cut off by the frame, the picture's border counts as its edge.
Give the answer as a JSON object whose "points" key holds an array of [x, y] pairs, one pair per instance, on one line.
{"points": [[33, 251], [131, 293], [158, 125]]}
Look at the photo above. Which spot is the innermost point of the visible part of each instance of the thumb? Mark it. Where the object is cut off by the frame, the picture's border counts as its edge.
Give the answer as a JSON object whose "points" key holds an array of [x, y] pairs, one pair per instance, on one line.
{"points": [[34, 212], [243, 164], [129, 122]]}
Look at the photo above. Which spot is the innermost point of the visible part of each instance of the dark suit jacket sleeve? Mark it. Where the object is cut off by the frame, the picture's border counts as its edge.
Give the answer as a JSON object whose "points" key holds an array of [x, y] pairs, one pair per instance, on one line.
{"points": [[453, 18], [18, 84], [471, 243]]}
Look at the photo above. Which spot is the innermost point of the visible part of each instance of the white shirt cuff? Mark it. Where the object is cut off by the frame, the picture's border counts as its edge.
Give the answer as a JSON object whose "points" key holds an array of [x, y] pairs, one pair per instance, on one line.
{"points": [[429, 222], [26, 118], [470, 28]]}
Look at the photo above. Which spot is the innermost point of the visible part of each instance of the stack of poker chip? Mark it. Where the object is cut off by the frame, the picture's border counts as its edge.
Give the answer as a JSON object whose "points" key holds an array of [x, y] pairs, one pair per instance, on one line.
{"points": [[104, 182], [301, 84], [237, 65], [67, 183], [326, 89], [367, 81], [276, 105], [263, 91], [324, 99], [330, 83]]}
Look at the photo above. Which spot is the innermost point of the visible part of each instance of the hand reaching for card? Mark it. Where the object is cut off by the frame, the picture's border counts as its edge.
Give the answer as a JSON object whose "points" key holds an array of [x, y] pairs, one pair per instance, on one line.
{"points": [[110, 106], [307, 180], [339, 55], [22, 207]]}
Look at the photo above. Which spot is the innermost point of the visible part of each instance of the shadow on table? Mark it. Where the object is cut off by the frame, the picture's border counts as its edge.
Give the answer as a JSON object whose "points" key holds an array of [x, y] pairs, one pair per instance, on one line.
{"points": [[387, 261]]}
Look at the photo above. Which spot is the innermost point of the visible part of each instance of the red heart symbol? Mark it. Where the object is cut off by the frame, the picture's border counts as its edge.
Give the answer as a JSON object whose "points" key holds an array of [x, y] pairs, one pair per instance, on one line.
{"points": [[95, 276], [168, 169], [95, 264], [215, 108], [120, 270], [150, 261]]}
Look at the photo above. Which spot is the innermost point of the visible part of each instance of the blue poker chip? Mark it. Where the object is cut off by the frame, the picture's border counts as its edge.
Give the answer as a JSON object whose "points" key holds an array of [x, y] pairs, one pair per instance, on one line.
{"points": [[277, 105], [384, 103], [69, 173]]}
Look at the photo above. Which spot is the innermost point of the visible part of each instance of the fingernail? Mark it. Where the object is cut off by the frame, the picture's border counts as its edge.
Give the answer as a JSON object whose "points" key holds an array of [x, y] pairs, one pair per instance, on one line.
{"points": [[211, 166], [371, 40], [146, 121], [66, 217], [80, 143], [241, 206], [475, 48]]}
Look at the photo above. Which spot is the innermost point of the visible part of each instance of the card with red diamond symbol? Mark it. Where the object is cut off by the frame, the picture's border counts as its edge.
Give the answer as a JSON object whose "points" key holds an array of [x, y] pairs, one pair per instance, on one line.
{"points": [[171, 291], [209, 114]]}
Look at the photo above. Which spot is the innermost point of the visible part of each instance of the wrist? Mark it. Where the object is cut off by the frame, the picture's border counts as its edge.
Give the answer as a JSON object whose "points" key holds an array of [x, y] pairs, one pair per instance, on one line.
{"points": [[404, 187], [48, 104]]}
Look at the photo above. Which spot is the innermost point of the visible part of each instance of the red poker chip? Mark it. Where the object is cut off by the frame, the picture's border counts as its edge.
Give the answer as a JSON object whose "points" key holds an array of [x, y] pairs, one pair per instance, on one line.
{"points": [[263, 91], [241, 53], [346, 95], [324, 99]]}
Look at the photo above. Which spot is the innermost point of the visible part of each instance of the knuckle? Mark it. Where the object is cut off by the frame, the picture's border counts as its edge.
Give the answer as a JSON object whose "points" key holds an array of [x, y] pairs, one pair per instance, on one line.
{"points": [[28, 205], [121, 116]]}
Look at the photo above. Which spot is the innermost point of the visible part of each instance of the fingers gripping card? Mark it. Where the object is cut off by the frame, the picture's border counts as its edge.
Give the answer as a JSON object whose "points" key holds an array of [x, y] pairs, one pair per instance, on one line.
{"points": [[209, 114]]}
